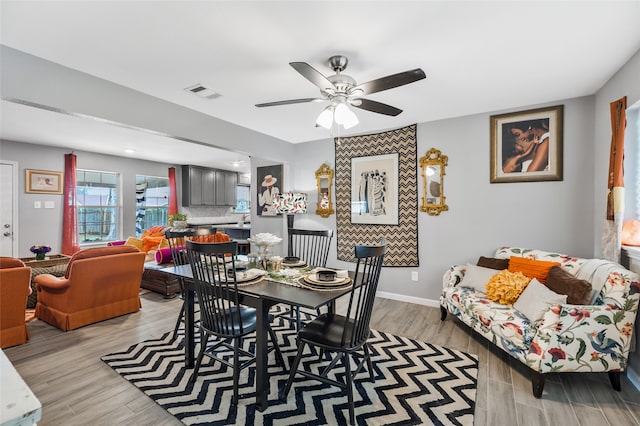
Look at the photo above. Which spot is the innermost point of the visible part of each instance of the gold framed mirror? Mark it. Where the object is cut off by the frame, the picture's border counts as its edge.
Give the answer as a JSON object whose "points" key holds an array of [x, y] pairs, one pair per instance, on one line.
{"points": [[433, 199], [324, 178]]}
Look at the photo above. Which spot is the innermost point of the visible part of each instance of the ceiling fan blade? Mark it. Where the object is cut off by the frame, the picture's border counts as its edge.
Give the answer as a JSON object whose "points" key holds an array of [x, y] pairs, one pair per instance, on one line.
{"points": [[391, 81], [291, 101], [375, 106], [313, 75]]}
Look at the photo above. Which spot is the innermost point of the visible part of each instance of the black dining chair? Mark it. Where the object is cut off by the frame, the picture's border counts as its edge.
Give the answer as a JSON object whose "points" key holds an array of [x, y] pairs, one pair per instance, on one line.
{"points": [[312, 246], [342, 336], [177, 247], [221, 314]]}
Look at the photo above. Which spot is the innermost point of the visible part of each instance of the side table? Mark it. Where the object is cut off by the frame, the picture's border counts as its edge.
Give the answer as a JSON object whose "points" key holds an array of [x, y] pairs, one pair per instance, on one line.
{"points": [[55, 265]]}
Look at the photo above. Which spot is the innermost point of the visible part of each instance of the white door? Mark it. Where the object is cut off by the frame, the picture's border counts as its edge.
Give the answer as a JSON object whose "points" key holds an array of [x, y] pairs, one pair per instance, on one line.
{"points": [[8, 209]]}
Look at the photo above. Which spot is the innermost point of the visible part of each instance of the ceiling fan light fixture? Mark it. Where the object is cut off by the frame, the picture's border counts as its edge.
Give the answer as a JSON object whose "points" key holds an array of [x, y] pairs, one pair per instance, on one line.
{"points": [[325, 119], [345, 117]]}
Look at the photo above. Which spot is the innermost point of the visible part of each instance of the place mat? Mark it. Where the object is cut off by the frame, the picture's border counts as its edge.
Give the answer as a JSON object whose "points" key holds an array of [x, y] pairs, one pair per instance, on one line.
{"points": [[248, 275], [250, 282], [297, 264], [315, 287], [312, 279]]}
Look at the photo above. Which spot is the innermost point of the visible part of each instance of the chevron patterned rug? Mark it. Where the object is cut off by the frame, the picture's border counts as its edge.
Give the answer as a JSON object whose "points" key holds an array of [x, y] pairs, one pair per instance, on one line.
{"points": [[415, 383]]}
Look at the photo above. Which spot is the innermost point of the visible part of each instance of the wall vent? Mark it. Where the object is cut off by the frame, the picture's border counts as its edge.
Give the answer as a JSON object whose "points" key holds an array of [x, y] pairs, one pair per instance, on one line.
{"points": [[203, 92]]}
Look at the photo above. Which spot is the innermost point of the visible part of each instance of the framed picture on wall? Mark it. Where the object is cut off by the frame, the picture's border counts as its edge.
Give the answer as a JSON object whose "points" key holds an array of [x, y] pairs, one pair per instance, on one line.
{"points": [[269, 179], [374, 189], [526, 146], [43, 182]]}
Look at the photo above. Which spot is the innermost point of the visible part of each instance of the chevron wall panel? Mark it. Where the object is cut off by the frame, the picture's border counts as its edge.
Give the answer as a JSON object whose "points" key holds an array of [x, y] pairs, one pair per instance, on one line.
{"points": [[402, 239]]}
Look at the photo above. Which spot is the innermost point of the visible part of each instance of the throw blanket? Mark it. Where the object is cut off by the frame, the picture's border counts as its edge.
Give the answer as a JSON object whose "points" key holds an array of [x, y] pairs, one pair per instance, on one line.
{"points": [[596, 271]]}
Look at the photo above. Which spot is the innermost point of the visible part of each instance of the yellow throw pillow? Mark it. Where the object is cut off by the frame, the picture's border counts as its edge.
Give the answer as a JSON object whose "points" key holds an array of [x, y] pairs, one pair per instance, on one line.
{"points": [[136, 242], [505, 286], [532, 268]]}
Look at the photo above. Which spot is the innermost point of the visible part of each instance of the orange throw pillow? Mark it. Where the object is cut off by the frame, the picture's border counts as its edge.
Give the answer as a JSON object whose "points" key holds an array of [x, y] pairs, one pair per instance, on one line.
{"points": [[532, 268], [151, 243]]}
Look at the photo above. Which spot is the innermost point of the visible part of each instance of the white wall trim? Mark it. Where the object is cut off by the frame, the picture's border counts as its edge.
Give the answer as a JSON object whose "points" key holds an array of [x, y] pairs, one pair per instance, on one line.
{"points": [[409, 299], [14, 219]]}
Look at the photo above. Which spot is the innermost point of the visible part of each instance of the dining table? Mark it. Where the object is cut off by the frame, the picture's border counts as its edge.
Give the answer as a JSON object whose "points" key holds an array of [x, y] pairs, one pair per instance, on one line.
{"points": [[262, 296]]}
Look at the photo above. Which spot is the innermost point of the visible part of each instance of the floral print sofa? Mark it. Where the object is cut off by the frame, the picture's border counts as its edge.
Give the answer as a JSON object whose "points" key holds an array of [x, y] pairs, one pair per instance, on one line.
{"points": [[569, 338]]}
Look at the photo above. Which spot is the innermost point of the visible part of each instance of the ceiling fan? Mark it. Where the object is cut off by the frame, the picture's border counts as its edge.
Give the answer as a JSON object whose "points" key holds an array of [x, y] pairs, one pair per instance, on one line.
{"points": [[342, 90]]}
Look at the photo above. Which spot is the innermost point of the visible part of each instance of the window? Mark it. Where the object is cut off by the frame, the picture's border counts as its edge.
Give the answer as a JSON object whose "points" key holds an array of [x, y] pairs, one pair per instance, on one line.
{"points": [[152, 202], [243, 199], [632, 163], [98, 206]]}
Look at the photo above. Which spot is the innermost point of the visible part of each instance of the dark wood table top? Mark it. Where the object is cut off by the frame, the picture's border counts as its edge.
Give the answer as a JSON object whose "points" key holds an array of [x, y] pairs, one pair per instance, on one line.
{"points": [[275, 291]]}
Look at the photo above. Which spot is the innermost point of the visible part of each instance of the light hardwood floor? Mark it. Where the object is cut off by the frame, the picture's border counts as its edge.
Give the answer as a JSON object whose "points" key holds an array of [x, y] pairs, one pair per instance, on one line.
{"points": [[76, 388]]}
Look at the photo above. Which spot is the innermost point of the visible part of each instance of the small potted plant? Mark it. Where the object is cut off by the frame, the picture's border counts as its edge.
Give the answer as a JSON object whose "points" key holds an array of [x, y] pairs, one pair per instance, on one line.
{"points": [[178, 220], [40, 251]]}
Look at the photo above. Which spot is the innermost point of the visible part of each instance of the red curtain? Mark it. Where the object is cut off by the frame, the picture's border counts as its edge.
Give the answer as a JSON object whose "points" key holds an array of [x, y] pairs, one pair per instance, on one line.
{"points": [[616, 156], [69, 211], [612, 231], [173, 194]]}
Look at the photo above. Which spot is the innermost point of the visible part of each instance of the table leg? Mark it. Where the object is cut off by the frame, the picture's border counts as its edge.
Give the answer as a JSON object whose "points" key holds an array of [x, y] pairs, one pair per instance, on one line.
{"points": [[189, 327], [262, 348]]}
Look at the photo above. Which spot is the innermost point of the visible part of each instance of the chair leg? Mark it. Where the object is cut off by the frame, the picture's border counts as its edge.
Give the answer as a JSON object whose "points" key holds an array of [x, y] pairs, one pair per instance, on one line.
{"points": [[443, 313], [179, 321], [614, 378], [298, 322], [369, 363], [346, 360], [236, 369], [292, 373], [276, 347], [204, 338]]}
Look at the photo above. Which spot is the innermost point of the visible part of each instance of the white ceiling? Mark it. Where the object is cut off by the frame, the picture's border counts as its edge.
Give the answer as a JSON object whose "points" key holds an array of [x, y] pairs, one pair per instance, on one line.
{"points": [[478, 56]]}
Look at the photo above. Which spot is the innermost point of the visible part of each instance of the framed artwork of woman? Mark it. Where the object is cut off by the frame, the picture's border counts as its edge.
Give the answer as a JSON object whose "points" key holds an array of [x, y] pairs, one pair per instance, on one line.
{"points": [[526, 146]]}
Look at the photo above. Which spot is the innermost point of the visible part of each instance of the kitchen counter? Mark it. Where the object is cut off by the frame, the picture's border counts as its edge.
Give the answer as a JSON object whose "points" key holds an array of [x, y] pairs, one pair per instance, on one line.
{"points": [[213, 220]]}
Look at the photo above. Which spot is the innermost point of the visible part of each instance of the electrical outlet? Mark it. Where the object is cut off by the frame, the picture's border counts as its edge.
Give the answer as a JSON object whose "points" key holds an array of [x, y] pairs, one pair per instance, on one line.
{"points": [[414, 276]]}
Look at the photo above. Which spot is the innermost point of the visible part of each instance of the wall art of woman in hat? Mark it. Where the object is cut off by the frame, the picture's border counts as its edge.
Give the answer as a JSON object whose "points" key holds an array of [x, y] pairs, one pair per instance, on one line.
{"points": [[267, 195]]}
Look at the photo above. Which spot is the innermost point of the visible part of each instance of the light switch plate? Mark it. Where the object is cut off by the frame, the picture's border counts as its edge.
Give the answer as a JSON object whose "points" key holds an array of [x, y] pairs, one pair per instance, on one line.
{"points": [[37, 204], [49, 205]]}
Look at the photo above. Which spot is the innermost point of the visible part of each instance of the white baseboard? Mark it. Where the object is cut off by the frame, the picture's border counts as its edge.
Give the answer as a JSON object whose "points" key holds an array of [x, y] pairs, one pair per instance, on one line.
{"points": [[409, 299]]}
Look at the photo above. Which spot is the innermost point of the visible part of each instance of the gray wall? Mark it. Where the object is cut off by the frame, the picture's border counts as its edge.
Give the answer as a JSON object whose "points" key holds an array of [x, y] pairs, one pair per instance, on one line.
{"points": [[43, 226], [555, 216]]}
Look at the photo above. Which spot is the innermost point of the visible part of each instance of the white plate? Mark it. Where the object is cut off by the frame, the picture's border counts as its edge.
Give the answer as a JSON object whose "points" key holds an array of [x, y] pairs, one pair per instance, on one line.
{"points": [[314, 279]]}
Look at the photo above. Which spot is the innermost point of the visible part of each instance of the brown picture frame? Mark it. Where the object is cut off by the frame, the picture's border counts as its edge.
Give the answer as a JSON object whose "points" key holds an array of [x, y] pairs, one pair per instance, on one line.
{"points": [[43, 181], [526, 146]]}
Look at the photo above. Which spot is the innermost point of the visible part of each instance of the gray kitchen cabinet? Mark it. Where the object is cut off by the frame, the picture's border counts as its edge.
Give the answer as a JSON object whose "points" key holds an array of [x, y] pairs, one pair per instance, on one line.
{"points": [[202, 186]]}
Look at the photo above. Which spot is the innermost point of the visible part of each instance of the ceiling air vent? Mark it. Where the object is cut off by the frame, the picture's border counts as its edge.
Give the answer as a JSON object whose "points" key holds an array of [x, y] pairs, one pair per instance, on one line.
{"points": [[203, 92]]}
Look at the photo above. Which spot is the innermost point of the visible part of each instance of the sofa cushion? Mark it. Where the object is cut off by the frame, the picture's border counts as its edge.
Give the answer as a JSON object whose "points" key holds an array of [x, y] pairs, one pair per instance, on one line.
{"points": [[505, 286], [493, 263], [477, 277], [536, 299], [578, 291], [501, 324], [532, 268], [99, 251]]}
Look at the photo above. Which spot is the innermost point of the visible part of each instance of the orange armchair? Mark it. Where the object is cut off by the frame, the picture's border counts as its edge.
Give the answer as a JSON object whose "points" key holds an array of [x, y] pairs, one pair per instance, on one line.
{"points": [[100, 283], [15, 287]]}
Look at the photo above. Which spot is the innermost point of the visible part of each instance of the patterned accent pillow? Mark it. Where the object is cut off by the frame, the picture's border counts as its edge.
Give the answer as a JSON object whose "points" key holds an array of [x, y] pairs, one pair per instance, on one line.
{"points": [[536, 299], [578, 291], [532, 268], [505, 286]]}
